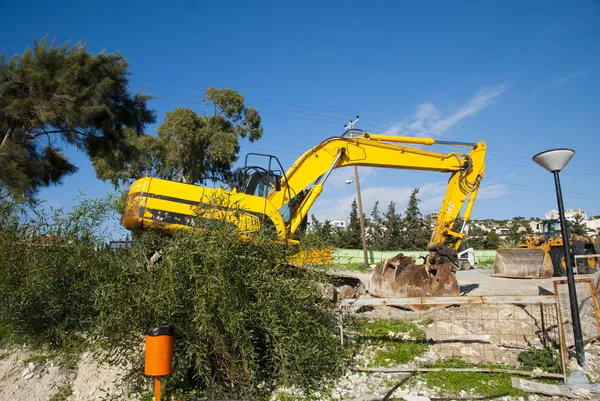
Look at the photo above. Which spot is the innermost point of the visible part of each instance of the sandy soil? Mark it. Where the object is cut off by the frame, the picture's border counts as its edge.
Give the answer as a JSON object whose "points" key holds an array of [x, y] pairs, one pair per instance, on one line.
{"points": [[22, 380]]}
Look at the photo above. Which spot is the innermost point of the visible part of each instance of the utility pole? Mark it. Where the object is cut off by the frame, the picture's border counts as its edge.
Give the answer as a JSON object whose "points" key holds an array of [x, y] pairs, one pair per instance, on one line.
{"points": [[359, 200]]}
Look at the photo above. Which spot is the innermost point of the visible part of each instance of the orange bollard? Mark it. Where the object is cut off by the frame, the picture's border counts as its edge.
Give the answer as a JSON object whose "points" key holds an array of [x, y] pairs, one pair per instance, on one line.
{"points": [[159, 354]]}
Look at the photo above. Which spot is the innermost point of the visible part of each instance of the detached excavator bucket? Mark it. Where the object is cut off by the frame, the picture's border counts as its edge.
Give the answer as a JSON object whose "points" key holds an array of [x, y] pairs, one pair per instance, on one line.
{"points": [[522, 263], [400, 277]]}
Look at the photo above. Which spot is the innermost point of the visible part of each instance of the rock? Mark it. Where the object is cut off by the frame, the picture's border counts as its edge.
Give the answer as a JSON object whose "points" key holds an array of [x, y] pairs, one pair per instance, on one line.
{"points": [[582, 393], [28, 371], [348, 292], [72, 375]]}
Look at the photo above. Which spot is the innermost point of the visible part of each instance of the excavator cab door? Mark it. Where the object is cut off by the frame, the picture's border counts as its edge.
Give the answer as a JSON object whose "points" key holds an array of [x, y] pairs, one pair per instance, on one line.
{"points": [[259, 180]]}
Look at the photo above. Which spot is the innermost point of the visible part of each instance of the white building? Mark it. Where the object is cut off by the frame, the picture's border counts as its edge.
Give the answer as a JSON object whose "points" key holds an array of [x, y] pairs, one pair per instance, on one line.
{"points": [[593, 226], [537, 226], [569, 214], [341, 224]]}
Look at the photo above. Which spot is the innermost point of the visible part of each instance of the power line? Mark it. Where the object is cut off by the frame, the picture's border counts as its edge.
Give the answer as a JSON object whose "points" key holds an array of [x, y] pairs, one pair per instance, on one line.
{"points": [[382, 124], [250, 97], [262, 112]]}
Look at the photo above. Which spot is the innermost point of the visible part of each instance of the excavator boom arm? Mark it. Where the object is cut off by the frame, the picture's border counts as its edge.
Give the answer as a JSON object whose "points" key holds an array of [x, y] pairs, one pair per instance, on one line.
{"points": [[385, 151]]}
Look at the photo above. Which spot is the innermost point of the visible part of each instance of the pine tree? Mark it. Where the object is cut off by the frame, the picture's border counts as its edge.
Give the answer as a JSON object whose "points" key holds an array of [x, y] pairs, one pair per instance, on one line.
{"points": [[392, 239], [416, 232], [351, 237], [375, 229], [323, 231], [578, 225], [56, 96]]}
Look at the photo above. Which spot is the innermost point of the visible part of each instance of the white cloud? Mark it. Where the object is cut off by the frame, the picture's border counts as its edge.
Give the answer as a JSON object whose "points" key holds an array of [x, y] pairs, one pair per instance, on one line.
{"points": [[492, 191], [339, 176], [573, 75], [428, 120]]}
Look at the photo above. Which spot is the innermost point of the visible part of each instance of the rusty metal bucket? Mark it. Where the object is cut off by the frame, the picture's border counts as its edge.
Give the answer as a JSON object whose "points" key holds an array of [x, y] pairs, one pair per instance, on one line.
{"points": [[522, 263], [400, 277]]}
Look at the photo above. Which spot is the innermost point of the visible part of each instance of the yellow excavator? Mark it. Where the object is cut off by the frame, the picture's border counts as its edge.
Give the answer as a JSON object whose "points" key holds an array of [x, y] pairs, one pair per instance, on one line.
{"points": [[544, 256], [267, 197]]}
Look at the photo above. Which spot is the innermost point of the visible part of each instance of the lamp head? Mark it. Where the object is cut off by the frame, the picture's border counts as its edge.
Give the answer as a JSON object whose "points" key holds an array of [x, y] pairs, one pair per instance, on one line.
{"points": [[554, 159]]}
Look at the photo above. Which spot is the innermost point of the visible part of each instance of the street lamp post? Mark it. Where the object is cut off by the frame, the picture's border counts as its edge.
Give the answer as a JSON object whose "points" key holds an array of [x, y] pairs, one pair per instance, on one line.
{"points": [[555, 160]]}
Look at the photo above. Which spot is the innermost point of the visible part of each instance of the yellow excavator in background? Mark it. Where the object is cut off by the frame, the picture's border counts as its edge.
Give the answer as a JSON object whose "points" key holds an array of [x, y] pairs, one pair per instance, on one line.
{"points": [[270, 198], [544, 256]]}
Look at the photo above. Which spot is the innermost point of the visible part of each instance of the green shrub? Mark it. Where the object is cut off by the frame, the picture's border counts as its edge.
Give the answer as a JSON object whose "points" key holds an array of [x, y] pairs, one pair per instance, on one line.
{"points": [[50, 266], [245, 322], [545, 359]]}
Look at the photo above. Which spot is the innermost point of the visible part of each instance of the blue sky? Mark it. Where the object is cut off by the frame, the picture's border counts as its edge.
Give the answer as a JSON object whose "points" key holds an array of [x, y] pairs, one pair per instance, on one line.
{"points": [[521, 76]]}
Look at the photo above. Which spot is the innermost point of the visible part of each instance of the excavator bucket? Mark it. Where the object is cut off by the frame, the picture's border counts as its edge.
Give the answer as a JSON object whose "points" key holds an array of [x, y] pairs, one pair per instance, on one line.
{"points": [[400, 277], [522, 263]]}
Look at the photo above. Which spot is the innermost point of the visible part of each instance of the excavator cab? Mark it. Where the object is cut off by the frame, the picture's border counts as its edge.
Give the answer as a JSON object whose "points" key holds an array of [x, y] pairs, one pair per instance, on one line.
{"points": [[257, 180]]}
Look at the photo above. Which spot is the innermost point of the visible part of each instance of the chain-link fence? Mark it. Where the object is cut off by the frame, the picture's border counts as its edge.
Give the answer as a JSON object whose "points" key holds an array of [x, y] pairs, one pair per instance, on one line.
{"points": [[483, 333]]}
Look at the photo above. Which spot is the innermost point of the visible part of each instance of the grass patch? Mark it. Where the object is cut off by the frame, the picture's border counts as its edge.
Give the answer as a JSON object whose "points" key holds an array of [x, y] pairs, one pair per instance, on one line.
{"points": [[481, 384], [351, 267], [485, 262], [62, 394], [397, 342], [474, 383], [38, 359]]}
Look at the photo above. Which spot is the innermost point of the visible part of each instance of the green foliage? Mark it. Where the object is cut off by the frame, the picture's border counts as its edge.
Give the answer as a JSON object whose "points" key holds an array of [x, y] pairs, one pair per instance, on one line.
{"points": [[50, 264], [242, 316], [53, 95], [492, 240], [351, 236], [38, 359], [375, 229], [543, 358], [324, 231], [392, 236], [481, 384], [352, 267], [398, 342], [480, 238], [416, 231], [578, 225], [189, 147], [487, 384], [62, 394]]}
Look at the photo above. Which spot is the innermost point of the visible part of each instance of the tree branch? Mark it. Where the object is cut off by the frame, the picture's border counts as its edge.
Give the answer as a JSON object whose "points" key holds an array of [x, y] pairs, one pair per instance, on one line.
{"points": [[58, 131], [6, 136]]}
